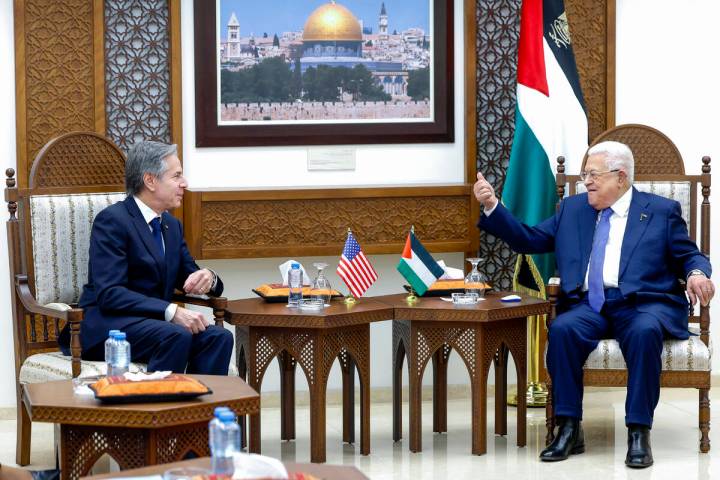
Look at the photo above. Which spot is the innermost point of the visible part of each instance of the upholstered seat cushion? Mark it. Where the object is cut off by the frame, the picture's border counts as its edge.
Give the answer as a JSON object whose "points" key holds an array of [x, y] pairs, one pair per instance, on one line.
{"points": [[678, 355], [46, 367]]}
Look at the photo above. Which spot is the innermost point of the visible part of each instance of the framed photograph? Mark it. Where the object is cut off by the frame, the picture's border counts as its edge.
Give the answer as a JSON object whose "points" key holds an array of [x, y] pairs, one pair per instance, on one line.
{"points": [[323, 72]]}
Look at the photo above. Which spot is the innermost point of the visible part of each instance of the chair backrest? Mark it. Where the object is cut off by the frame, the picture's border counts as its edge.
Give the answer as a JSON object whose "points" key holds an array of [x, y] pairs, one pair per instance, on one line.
{"points": [[72, 179], [659, 169]]}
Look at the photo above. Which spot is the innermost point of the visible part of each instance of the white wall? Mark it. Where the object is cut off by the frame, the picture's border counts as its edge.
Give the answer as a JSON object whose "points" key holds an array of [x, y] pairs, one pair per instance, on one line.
{"points": [[666, 76], [667, 71], [7, 159]]}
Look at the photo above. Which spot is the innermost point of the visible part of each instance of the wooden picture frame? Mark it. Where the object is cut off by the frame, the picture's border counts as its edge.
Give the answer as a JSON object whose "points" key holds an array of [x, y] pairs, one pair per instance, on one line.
{"points": [[212, 132]]}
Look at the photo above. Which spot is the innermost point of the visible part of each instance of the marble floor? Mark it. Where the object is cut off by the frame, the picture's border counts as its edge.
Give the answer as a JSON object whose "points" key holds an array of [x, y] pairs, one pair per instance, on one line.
{"points": [[674, 441]]}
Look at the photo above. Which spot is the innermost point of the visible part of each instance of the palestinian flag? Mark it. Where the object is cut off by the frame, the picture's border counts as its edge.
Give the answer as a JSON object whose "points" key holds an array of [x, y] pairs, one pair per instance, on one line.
{"points": [[550, 120], [418, 266]]}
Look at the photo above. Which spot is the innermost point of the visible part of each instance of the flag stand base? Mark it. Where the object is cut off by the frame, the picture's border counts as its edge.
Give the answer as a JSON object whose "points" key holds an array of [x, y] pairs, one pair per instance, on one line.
{"points": [[536, 395], [350, 300]]}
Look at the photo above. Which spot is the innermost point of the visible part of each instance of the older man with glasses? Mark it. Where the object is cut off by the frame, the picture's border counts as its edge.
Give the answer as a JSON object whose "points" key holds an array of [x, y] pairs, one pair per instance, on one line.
{"points": [[620, 253]]}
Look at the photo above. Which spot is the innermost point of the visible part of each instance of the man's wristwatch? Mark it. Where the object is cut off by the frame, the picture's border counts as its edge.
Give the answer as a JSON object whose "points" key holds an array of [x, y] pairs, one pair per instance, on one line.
{"points": [[696, 272]]}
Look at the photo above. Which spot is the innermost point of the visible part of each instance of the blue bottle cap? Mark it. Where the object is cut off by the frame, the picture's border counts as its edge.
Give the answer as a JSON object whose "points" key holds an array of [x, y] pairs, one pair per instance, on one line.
{"points": [[219, 410], [227, 416], [120, 336], [295, 266], [113, 332]]}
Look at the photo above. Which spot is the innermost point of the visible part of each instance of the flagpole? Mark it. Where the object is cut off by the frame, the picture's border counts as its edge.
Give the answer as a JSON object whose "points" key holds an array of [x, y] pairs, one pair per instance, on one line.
{"points": [[411, 297], [349, 299]]}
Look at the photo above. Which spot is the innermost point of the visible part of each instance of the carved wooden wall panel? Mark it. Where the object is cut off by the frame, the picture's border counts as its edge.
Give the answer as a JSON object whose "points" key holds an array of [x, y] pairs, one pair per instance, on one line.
{"points": [[56, 89], [137, 71], [313, 222], [74, 58], [592, 27]]}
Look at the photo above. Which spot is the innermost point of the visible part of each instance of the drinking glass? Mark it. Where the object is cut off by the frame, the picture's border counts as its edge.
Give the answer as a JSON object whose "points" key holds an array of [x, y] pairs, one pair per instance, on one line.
{"points": [[475, 281], [321, 289]]}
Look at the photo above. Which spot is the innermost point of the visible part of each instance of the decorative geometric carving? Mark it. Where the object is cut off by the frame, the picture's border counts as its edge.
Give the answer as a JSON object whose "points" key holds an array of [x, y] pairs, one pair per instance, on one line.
{"points": [[59, 71], [262, 223], [89, 443], [653, 151], [498, 23], [315, 350], [137, 71], [79, 159]]}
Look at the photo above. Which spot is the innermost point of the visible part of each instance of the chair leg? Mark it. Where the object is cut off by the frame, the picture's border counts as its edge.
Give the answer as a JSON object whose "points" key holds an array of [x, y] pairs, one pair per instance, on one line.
{"points": [[549, 416], [704, 398], [24, 432]]}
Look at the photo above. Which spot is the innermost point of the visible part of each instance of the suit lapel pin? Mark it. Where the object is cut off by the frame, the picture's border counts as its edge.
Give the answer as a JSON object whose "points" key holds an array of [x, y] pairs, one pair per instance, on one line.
{"points": [[643, 217]]}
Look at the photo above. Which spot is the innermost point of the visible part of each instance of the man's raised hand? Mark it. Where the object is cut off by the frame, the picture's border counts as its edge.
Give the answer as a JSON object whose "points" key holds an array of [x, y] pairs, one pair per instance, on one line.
{"points": [[484, 192]]}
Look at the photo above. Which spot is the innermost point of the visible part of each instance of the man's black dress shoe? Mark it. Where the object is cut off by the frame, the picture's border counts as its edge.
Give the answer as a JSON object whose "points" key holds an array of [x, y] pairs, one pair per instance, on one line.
{"points": [[568, 441], [639, 454]]}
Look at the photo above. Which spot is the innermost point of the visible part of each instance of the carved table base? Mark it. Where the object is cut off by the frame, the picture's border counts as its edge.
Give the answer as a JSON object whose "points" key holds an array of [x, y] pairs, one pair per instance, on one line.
{"points": [[81, 446], [478, 344], [315, 351]]}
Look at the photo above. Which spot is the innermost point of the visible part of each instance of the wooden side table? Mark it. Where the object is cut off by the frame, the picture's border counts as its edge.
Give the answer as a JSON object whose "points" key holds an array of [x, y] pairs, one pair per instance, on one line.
{"points": [[137, 434], [313, 340], [430, 328], [326, 472]]}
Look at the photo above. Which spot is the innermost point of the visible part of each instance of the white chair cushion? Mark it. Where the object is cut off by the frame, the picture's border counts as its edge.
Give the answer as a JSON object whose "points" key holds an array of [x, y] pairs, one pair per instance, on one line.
{"points": [[61, 227], [678, 355], [678, 191], [46, 367]]}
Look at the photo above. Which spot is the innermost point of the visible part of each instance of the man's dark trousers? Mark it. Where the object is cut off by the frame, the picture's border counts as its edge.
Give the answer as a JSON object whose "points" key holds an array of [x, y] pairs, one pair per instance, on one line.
{"points": [[574, 334], [167, 346]]}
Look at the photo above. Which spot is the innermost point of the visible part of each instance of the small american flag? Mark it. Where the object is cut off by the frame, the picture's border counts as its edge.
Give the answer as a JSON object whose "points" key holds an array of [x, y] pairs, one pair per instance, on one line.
{"points": [[355, 269]]}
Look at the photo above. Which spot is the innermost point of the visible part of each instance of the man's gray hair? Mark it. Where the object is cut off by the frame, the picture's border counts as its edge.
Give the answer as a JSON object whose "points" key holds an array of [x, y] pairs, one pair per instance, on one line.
{"points": [[145, 157], [618, 156]]}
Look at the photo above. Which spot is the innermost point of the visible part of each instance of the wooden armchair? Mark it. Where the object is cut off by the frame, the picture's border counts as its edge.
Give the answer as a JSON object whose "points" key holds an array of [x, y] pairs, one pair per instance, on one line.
{"points": [[72, 179], [659, 168]]}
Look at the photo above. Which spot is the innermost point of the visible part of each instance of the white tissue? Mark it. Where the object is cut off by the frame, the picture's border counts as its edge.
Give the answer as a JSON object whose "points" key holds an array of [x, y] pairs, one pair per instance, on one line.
{"points": [[450, 272], [140, 376], [250, 465], [284, 267]]}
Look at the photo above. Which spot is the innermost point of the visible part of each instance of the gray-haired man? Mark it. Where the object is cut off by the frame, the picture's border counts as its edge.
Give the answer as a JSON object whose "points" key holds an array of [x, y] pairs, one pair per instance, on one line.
{"points": [[138, 257]]}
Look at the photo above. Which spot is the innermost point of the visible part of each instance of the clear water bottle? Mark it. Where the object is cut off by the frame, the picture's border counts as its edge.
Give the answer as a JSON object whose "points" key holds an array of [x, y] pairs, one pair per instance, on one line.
{"points": [[109, 344], [212, 426], [224, 442], [121, 355], [295, 285]]}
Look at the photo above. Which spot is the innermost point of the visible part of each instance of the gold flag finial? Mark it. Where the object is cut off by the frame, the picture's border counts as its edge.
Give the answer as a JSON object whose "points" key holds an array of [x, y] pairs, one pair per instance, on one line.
{"points": [[412, 228]]}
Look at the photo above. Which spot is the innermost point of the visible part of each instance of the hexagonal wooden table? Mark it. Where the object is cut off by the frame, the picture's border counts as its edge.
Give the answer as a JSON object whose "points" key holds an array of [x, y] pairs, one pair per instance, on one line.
{"points": [[428, 329], [312, 339], [137, 434]]}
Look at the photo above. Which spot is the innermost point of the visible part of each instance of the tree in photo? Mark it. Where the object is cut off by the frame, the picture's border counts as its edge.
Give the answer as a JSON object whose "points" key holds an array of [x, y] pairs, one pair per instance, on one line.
{"points": [[419, 84]]}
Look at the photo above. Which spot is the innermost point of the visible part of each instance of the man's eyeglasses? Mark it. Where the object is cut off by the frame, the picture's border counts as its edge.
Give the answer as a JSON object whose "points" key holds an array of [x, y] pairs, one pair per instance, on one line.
{"points": [[594, 174]]}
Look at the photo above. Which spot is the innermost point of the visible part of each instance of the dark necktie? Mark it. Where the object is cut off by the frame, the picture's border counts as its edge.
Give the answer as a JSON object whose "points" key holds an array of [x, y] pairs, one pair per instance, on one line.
{"points": [[596, 289], [157, 234]]}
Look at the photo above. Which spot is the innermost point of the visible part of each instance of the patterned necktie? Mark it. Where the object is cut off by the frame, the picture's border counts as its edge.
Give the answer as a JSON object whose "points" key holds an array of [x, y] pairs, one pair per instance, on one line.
{"points": [[596, 289], [157, 234]]}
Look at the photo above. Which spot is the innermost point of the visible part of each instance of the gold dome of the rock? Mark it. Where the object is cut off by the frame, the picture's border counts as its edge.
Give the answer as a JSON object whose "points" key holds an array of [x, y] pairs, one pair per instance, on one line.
{"points": [[332, 22]]}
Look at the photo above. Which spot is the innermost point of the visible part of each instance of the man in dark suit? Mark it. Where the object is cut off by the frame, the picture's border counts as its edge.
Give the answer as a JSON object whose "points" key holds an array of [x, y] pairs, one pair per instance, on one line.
{"points": [[619, 253], [138, 257]]}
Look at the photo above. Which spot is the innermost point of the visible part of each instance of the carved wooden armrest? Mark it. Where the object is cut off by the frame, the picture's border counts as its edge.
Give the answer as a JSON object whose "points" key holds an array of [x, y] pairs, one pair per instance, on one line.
{"points": [[218, 304], [73, 316], [553, 292]]}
